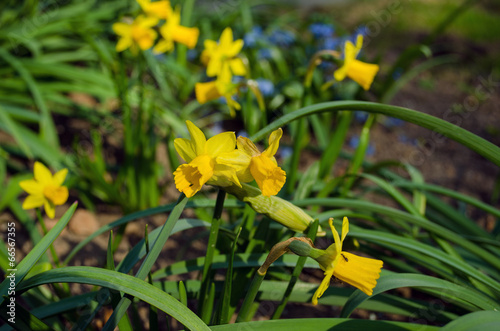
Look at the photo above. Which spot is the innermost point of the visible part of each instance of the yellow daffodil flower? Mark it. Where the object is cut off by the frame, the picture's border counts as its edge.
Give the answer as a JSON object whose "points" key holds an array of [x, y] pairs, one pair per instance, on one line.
{"points": [[261, 166], [172, 31], [218, 54], [137, 33], [360, 272], [360, 72], [221, 87], [202, 163], [45, 190], [159, 9]]}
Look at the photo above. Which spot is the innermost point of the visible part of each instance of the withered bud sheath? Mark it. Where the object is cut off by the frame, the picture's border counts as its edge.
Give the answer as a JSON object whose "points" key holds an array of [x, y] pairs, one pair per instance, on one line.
{"points": [[298, 245]]}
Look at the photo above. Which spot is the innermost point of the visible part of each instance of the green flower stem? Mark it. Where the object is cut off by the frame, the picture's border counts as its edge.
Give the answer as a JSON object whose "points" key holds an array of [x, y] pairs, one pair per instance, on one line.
{"points": [[44, 229], [245, 311], [205, 306], [311, 233], [359, 155], [187, 10]]}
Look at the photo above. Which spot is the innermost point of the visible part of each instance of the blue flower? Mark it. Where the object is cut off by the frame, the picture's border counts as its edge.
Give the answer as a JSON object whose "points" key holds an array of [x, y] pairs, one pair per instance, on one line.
{"points": [[391, 122], [282, 38], [321, 30], [354, 143], [360, 116], [266, 87], [330, 43], [264, 54], [251, 38]]}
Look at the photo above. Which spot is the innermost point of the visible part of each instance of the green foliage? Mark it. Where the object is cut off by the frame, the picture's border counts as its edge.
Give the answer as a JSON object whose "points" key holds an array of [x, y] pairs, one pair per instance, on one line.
{"points": [[68, 99]]}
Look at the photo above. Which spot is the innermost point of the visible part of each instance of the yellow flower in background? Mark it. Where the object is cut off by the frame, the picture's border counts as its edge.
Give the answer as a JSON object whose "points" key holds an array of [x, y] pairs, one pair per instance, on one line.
{"points": [[217, 55], [360, 72], [360, 272], [172, 31], [159, 9], [45, 190], [202, 165], [138, 33], [221, 87], [261, 166]]}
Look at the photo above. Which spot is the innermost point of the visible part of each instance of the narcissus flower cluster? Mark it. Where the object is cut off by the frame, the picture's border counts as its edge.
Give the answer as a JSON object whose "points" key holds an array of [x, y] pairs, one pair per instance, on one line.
{"points": [[218, 162], [222, 61], [140, 33]]}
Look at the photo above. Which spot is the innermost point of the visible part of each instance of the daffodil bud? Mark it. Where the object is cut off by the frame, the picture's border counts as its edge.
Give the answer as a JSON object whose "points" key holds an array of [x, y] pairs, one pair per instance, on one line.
{"points": [[273, 207]]}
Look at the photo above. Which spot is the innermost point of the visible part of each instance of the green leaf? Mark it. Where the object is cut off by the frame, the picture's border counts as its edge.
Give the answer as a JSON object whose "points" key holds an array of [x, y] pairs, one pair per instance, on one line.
{"points": [[120, 282], [446, 288], [31, 259], [479, 320], [307, 181], [322, 324], [460, 135]]}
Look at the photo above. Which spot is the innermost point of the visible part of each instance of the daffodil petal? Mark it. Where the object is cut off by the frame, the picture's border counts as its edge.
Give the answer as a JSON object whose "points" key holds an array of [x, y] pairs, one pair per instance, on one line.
{"points": [[123, 44], [345, 229], [240, 161], [206, 92], [122, 29], [42, 174], [323, 286], [235, 47], [33, 201], [274, 142], [267, 174], [362, 73], [237, 67], [247, 146], [59, 177], [226, 37], [336, 238], [185, 149], [224, 142], [186, 36], [163, 46], [50, 209], [358, 271], [31, 186], [198, 139]]}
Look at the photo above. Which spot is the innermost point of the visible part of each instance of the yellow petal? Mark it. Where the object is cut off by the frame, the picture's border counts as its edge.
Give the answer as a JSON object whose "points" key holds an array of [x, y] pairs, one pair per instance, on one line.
{"points": [[42, 174], [224, 142], [122, 29], [234, 48], [185, 149], [226, 37], [269, 177], [359, 43], [238, 160], [198, 139], [123, 44], [163, 46], [237, 67], [147, 40], [50, 209], [214, 67], [32, 187], [274, 142], [186, 36], [59, 177], [360, 272], [247, 146], [206, 92], [224, 175], [189, 178], [56, 195], [338, 242], [146, 21], [323, 286], [345, 229], [362, 73], [33, 201]]}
